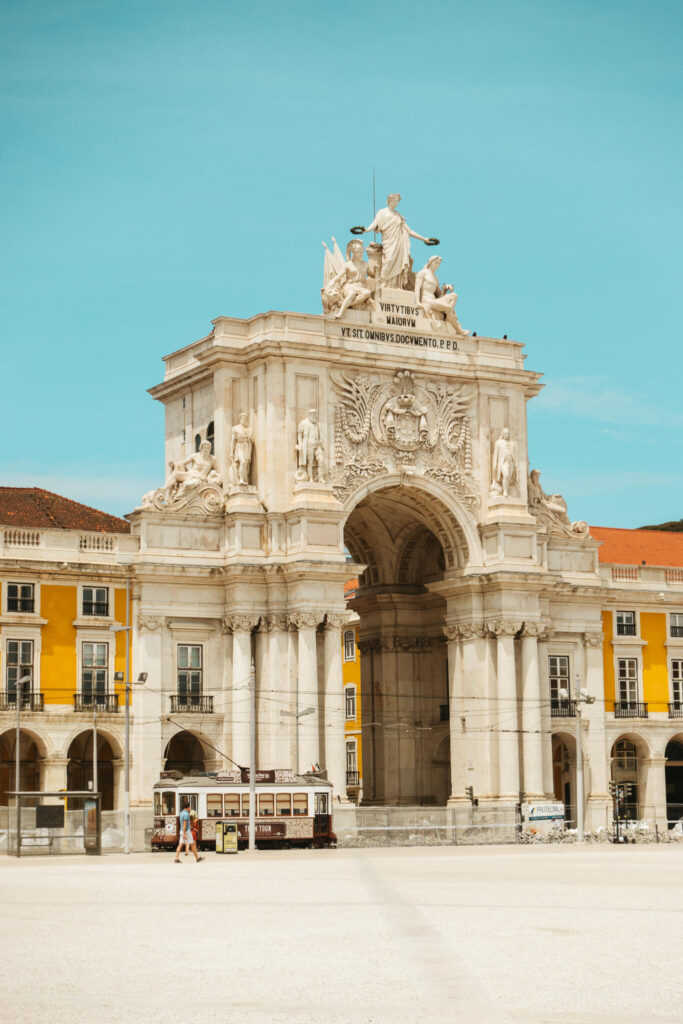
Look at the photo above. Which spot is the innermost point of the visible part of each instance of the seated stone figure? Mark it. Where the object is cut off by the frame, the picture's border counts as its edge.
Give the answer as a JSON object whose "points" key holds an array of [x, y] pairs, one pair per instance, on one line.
{"points": [[437, 303], [350, 288], [191, 473]]}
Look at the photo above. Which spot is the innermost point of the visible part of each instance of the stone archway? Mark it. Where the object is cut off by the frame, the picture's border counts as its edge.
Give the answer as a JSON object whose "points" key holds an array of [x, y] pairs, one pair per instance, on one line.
{"points": [[29, 769], [80, 768], [410, 542], [674, 780], [184, 753]]}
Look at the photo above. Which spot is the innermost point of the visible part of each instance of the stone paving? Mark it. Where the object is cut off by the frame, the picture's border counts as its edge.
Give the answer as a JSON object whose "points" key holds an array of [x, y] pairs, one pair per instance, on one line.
{"points": [[574, 935]]}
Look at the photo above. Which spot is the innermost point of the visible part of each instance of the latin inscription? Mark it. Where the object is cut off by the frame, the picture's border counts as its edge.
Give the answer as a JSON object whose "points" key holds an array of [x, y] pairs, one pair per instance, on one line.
{"points": [[373, 334]]}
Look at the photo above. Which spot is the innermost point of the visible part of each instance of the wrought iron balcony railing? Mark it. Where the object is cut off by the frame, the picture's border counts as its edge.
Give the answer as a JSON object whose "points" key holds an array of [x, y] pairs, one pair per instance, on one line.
{"points": [[104, 702], [630, 709], [29, 701], [562, 708], [353, 778], [676, 709], [191, 702], [626, 629]]}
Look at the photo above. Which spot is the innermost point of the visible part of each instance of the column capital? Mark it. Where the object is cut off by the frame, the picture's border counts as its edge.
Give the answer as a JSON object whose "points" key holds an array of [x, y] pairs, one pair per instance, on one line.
{"points": [[368, 646], [504, 627], [278, 623], [240, 623], [148, 623], [335, 620], [538, 630], [54, 762], [305, 620], [593, 639]]}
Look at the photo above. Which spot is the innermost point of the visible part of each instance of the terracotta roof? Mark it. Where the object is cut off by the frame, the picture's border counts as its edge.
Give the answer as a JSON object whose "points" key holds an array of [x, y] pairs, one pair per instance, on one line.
{"points": [[350, 588], [635, 547], [39, 509]]}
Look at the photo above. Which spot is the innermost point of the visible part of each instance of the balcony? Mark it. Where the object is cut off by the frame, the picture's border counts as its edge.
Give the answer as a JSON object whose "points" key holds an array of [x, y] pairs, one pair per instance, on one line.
{"points": [[626, 629], [104, 702], [630, 709], [29, 702], [562, 708], [192, 703], [352, 779], [676, 709], [97, 608]]}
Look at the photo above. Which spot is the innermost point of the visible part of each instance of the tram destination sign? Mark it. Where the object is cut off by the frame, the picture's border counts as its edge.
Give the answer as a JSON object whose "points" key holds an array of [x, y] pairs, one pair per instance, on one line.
{"points": [[263, 776]]}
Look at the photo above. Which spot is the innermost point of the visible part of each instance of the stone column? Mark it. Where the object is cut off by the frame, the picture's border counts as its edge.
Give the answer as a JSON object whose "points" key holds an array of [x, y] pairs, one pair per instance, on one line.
{"points": [[372, 734], [118, 766], [274, 732], [532, 724], [507, 723], [334, 710], [546, 718], [598, 801], [241, 626], [652, 791], [52, 773], [307, 690], [148, 704], [456, 713]]}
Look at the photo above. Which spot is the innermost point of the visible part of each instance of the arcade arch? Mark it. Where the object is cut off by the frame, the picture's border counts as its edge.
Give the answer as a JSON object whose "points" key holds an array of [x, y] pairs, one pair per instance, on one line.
{"points": [[80, 768], [674, 780], [409, 540], [185, 753], [31, 751]]}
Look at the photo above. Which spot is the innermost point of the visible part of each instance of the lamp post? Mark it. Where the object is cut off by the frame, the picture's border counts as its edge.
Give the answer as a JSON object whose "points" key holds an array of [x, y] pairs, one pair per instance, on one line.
{"points": [[298, 715], [117, 628], [582, 697], [17, 750]]}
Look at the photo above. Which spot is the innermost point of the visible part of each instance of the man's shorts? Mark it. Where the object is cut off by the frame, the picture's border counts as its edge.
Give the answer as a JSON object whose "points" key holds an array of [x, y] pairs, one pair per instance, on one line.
{"points": [[187, 838]]}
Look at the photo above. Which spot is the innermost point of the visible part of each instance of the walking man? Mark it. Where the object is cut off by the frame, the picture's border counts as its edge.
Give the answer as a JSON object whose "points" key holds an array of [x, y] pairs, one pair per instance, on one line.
{"points": [[186, 837]]}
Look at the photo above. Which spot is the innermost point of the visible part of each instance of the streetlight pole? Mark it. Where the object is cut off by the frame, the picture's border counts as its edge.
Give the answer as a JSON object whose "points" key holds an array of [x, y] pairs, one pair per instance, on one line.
{"points": [[94, 749], [252, 757], [297, 715], [582, 697], [17, 749]]}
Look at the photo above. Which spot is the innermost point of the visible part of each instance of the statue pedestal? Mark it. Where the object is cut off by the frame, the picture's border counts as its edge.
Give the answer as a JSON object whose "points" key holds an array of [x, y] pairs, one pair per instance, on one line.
{"points": [[308, 493], [243, 498]]}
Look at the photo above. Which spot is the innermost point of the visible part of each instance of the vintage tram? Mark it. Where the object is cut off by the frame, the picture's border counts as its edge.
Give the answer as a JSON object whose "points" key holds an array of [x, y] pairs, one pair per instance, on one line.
{"points": [[291, 810]]}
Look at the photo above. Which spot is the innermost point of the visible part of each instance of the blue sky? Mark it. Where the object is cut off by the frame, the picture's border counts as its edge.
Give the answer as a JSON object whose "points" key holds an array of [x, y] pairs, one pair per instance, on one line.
{"points": [[166, 163]]}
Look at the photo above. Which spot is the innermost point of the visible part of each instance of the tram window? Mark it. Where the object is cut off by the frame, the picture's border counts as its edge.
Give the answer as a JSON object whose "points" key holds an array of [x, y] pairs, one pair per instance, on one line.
{"points": [[232, 805], [214, 805], [283, 804], [192, 797], [321, 803], [245, 805], [168, 803], [157, 804], [300, 803], [265, 805]]}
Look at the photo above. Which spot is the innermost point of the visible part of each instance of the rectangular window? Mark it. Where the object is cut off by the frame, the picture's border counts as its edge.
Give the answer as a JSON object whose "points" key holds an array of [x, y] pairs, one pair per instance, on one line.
{"points": [[232, 805], [20, 597], [627, 671], [283, 805], [558, 673], [351, 756], [214, 805], [94, 673], [19, 665], [192, 797], [300, 802], [168, 803], [676, 624], [677, 680], [95, 600], [245, 805], [350, 695], [626, 623], [266, 805], [349, 645], [189, 673]]}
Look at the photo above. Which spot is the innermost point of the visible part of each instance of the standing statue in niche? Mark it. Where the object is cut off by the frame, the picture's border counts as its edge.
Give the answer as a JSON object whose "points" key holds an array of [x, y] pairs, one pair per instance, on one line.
{"points": [[310, 449], [437, 303], [396, 237], [241, 448], [350, 287], [504, 470]]}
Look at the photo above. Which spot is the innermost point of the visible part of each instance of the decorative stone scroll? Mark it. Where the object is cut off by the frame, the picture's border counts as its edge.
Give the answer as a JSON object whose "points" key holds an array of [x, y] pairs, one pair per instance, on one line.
{"points": [[193, 485], [148, 623], [551, 510], [403, 425], [593, 639]]}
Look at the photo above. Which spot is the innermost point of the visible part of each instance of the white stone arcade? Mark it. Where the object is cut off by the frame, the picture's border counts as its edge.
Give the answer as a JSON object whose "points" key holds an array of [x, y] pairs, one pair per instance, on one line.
{"points": [[390, 434]]}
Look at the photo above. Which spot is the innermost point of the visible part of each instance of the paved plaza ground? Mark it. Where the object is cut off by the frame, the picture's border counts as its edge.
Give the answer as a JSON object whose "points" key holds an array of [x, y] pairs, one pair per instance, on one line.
{"points": [[383, 936]]}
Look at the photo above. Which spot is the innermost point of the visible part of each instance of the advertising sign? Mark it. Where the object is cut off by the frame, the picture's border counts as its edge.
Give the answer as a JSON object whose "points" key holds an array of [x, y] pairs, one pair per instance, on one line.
{"points": [[226, 837], [546, 812]]}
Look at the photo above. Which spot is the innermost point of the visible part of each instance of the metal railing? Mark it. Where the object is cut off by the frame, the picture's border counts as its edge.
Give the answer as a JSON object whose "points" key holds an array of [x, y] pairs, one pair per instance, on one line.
{"points": [[29, 702], [28, 604], [630, 709], [626, 629], [108, 702], [353, 778], [676, 709], [192, 702], [96, 608], [562, 708]]}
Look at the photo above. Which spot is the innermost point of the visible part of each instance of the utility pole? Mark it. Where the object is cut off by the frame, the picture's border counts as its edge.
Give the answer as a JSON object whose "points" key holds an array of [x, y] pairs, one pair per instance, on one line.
{"points": [[582, 697], [94, 748], [298, 715], [17, 749], [252, 757]]}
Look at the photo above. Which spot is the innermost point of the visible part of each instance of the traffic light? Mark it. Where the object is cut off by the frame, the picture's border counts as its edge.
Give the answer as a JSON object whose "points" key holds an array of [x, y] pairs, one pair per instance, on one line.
{"points": [[612, 789], [469, 793]]}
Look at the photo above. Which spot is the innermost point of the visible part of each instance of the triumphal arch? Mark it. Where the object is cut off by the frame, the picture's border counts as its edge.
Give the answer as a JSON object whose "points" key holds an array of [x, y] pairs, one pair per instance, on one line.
{"points": [[384, 430]]}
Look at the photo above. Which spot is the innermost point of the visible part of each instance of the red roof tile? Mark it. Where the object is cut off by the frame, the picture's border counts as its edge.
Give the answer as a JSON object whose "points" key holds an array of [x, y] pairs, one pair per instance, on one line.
{"points": [[633, 547], [350, 588], [39, 509]]}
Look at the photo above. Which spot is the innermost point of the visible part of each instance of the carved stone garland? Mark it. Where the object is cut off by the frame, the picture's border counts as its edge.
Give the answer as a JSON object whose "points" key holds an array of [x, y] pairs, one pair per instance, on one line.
{"points": [[402, 425]]}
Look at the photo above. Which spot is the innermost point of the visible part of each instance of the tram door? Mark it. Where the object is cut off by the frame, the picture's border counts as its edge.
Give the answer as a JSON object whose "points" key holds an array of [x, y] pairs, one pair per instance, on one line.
{"points": [[321, 821]]}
